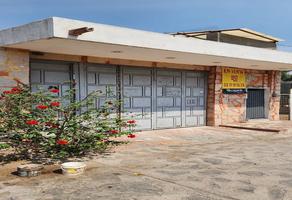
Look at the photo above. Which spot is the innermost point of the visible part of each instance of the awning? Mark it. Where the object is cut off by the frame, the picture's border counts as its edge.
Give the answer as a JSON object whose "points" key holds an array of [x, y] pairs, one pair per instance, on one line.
{"points": [[52, 36]]}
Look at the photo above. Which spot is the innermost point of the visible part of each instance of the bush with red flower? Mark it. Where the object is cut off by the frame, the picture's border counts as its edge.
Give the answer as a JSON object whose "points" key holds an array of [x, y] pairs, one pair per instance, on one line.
{"points": [[55, 104], [43, 124], [62, 142], [32, 122], [54, 90], [42, 107]]}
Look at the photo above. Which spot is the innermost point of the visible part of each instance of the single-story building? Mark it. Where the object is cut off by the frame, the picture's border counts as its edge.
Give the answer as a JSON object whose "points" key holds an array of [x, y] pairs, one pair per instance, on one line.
{"points": [[182, 79]]}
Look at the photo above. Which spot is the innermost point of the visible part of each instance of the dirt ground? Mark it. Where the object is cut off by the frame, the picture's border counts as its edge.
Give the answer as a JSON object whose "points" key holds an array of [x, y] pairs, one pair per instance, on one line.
{"points": [[190, 164]]}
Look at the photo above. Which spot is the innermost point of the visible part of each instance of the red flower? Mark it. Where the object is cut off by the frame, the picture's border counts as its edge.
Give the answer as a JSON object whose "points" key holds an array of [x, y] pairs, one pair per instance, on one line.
{"points": [[7, 92], [131, 121], [42, 107], [1, 98], [131, 136], [55, 104], [32, 122], [62, 142], [15, 90], [114, 131], [54, 90]]}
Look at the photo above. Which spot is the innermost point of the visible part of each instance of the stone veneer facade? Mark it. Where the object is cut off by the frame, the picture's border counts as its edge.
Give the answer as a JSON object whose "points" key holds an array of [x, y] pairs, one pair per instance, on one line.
{"points": [[231, 108], [14, 65], [221, 108]]}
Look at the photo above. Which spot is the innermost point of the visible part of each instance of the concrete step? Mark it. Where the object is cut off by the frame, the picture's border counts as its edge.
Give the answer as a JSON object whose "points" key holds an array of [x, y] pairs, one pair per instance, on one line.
{"points": [[254, 128], [273, 126]]}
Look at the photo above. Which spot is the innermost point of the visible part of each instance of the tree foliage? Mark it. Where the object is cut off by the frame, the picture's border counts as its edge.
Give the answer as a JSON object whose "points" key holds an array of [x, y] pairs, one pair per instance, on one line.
{"points": [[286, 76]]}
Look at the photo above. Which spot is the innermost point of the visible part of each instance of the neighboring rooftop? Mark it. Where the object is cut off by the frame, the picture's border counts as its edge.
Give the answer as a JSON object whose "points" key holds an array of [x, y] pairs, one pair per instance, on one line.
{"points": [[240, 36], [239, 32]]}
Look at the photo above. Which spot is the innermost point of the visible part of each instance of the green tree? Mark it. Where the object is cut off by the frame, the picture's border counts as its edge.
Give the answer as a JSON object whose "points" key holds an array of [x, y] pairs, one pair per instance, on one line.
{"points": [[286, 76]]}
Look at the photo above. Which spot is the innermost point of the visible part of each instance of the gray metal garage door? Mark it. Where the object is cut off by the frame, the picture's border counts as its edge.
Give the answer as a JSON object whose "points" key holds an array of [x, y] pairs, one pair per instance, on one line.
{"points": [[159, 98], [47, 75], [98, 77], [163, 98]]}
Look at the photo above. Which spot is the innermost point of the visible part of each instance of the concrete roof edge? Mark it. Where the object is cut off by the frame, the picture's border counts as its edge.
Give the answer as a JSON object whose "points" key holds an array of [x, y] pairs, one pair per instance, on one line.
{"points": [[145, 39], [36, 30], [59, 21]]}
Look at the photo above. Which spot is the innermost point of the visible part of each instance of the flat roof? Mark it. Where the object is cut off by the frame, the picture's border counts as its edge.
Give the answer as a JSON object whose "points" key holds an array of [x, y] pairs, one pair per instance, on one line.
{"points": [[52, 36]]}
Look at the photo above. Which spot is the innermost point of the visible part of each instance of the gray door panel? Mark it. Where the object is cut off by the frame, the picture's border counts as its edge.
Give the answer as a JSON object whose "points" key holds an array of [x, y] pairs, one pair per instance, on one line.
{"points": [[101, 78], [46, 75], [195, 98], [168, 99], [137, 95]]}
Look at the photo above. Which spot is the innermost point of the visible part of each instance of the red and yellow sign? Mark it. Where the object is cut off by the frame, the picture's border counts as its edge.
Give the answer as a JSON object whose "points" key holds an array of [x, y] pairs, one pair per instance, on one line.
{"points": [[233, 78]]}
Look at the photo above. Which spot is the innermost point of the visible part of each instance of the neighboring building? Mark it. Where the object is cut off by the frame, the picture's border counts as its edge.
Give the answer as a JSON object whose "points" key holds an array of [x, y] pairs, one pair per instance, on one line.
{"points": [[169, 80], [240, 36]]}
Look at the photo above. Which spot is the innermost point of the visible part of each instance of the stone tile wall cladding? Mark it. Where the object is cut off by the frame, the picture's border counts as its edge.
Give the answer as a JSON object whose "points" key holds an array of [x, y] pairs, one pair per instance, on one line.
{"points": [[227, 108], [14, 64]]}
